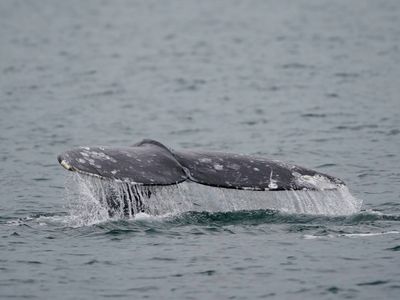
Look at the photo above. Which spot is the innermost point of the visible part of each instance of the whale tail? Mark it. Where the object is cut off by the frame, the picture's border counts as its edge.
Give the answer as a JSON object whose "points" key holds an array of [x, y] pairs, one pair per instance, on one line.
{"points": [[149, 164]]}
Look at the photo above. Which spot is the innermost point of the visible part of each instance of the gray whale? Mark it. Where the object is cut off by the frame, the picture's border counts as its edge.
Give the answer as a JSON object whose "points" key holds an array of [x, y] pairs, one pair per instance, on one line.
{"points": [[149, 164]]}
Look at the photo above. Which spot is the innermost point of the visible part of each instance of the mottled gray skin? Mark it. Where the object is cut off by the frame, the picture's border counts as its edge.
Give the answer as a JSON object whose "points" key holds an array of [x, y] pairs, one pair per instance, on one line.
{"points": [[144, 164], [151, 163]]}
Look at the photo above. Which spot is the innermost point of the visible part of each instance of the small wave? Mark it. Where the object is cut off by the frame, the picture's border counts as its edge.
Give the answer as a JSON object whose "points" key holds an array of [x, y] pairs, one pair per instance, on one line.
{"points": [[395, 248], [143, 216], [209, 223], [43, 218], [368, 234], [377, 282]]}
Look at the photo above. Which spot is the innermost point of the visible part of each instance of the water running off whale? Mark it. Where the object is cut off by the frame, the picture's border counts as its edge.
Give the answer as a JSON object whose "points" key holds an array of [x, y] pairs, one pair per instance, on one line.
{"points": [[149, 177]]}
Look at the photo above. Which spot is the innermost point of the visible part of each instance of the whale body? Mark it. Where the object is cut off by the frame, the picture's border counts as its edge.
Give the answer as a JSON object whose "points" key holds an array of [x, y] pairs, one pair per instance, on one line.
{"points": [[149, 164]]}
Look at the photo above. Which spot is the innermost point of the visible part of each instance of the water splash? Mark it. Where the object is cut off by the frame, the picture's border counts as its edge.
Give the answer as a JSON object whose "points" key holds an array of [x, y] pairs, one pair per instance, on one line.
{"points": [[83, 201], [93, 200]]}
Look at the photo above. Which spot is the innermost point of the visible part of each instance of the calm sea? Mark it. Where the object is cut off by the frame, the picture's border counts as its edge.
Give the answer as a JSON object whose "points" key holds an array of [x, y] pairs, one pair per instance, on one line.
{"points": [[310, 82]]}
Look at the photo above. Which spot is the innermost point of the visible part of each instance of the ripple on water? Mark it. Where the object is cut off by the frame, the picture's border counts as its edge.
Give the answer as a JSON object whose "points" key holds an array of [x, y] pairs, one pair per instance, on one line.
{"points": [[216, 223], [311, 81]]}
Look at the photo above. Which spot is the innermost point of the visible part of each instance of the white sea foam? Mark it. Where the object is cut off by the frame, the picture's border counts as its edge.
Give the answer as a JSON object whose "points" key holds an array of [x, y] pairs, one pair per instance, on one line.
{"points": [[351, 235], [369, 234]]}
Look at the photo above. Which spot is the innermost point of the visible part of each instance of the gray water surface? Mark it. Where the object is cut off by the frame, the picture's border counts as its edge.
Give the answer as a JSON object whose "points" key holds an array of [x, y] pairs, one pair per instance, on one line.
{"points": [[314, 83]]}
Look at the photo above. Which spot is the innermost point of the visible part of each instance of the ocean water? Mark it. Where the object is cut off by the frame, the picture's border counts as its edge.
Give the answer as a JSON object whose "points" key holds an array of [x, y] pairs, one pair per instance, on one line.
{"points": [[314, 83]]}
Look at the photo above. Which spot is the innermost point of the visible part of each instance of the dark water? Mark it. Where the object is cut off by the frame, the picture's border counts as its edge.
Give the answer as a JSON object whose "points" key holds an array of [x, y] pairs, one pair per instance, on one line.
{"points": [[311, 82]]}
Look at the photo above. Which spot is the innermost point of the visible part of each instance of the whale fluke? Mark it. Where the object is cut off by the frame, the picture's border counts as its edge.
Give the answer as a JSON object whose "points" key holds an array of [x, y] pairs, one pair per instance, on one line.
{"points": [[144, 164], [151, 163], [245, 172]]}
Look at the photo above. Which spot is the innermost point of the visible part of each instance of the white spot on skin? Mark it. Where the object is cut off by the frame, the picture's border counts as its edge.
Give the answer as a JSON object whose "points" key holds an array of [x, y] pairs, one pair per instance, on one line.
{"points": [[296, 174], [246, 188], [66, 165], [101, 156], [256, 169], [218, 167], [205, 160], [272, 182], [114, 172], [272, 185], [317, 181], [81, 160], [235, 167]]}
